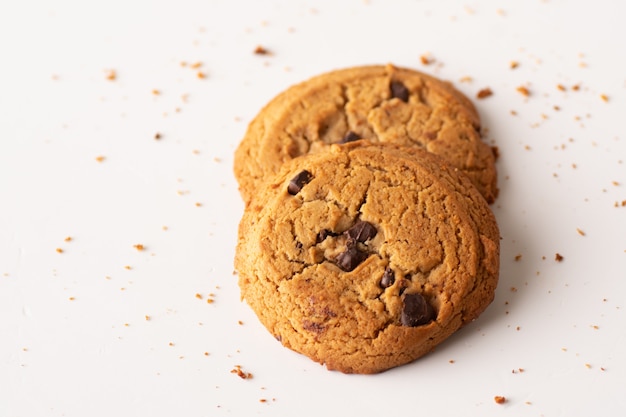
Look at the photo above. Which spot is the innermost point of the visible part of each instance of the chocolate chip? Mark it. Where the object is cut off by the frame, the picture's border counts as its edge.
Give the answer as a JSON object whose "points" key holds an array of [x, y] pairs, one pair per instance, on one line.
{"points": [[323, 234], [361, 231], [389, 277], [350, 137], [398, 90], [350, 258], [416, 310], [299, 181]]}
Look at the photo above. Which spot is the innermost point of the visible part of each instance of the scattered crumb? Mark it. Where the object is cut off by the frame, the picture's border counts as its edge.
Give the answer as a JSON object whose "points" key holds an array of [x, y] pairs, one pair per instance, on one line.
{"points": [[241, 373], [139, 247], [59, 250], [518, 257], [263, 400], [199, 296], [100, 158], [451, 361], [260, 50], [201, 75], [206, 353], [128, 267], [499, 399], [466, 79], [580, 232], [427, 59], [171, 343], [523, 90], [588, 366], [157, 136], [513, 289], [68, 239], [604, 97], [239, 322], [110, 75], [71, 298], [484, 93], [576, 87], [210, 301], [514, 64], [558, 257], [148, 318], [198, 204], [561, 87]]}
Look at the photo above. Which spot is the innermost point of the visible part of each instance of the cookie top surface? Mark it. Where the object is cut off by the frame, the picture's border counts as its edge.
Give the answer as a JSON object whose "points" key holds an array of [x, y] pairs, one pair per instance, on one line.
{"points": [[377, 103], [367, 256]]}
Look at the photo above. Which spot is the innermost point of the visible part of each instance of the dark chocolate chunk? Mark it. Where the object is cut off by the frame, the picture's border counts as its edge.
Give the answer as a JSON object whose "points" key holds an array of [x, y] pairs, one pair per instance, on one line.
{"points": [[361, 231], [323, 234], [416, 310], [299, 181], [398, 90], [350, 258], [350, 137], [389, 277]]}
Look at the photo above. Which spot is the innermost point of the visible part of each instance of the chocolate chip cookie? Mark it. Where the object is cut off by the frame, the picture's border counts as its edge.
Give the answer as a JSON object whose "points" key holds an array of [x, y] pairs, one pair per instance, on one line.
{"points": [[378, 103], [366, 256]]}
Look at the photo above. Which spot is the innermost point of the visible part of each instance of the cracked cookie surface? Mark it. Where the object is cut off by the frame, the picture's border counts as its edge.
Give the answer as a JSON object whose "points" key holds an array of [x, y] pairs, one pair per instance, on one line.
{"points": [[367, 256], [377, 103]]}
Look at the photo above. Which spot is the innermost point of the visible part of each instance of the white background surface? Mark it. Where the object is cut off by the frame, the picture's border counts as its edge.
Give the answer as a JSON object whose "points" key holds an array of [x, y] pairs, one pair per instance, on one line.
{"points": [[74, 336]]}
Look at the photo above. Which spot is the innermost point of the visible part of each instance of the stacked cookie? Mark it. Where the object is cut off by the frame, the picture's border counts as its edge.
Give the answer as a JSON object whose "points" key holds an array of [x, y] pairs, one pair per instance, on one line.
{"points": [[367, 238]]}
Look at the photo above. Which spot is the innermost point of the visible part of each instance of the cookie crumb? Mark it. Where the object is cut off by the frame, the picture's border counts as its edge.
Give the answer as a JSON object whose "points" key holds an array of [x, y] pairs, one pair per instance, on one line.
{"points": [[427, 59], [156, 92], [157, 136], [199, 296], [558, 257], [514, 64], [499, 399], [604, 98], [518, 257], [139, 247], [523, 90], [580, 232], [59, 250], [100, 158], [484, 93], [110, 75], [148, 318], [241, 373], [561, 87], [260, 50], [68, 239]]}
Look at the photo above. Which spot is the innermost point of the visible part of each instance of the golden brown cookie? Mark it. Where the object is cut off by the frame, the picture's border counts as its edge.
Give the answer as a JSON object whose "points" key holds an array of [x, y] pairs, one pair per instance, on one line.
{"points": [[366, 256], [378, 103]]}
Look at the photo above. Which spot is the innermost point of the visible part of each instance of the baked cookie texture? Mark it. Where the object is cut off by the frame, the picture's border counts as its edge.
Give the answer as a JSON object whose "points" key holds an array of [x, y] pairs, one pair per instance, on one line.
{"points": [[367, 256], [378, 103]]}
